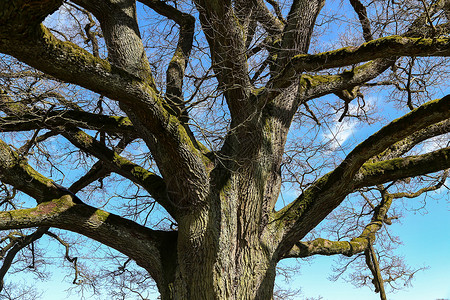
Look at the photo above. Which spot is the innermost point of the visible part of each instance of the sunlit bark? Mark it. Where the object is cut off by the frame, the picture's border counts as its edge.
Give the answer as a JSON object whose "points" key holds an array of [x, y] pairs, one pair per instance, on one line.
{"points": [[228, 238]]}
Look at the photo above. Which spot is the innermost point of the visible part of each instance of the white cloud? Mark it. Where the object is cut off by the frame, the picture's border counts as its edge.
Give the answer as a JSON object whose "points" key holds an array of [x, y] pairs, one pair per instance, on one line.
{"points": [[435, 143], [339, 133]]}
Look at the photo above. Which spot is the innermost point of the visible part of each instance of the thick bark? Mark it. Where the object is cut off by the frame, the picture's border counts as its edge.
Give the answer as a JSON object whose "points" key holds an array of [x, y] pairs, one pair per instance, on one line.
{"points": [[222, 253], [299, 28], [227, 45], [118, 20], [229, 239]]}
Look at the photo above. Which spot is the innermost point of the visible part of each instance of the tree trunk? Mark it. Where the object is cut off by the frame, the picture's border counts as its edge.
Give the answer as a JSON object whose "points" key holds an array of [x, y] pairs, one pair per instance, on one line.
{"points": [[224, 251]]}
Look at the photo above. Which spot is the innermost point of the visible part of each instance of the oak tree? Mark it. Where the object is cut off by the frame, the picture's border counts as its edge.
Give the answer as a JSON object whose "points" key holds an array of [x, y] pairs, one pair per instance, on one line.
{"points": [[117, 113]]}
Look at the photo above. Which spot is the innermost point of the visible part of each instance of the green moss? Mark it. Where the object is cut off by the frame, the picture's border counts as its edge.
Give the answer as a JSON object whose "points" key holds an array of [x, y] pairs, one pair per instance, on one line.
{"points": [[178, 58], [14, 108], [84, 139], [226, 190], [303, 203], [309, 81], [149, 180], [374, 168], [52, 207], [35, 175], [62, 203], [382, 47], [178, 130], [136, 170], [122, 121], [257, 92], [101, 215], [75, 53]]}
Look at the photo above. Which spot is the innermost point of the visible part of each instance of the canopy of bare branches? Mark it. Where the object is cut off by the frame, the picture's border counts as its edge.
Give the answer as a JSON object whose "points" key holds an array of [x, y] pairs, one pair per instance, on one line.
{"points": [[172, 132]]}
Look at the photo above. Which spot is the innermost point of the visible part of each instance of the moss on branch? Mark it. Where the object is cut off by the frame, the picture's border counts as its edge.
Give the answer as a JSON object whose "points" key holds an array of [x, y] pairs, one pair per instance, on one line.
{"points": [[384, 47], [153, 183], [402, 167], [58, 119], [136, 241], [16, 171], [302, 215], [322, 246], [348, 248]]}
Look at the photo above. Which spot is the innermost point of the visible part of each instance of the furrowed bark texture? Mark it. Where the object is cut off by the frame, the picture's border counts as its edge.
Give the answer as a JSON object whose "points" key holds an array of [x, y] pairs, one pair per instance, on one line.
{"points": [[229, 238]]}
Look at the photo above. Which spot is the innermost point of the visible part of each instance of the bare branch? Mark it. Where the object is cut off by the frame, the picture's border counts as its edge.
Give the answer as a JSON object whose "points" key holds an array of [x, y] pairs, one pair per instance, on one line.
{"points": [[227, 46], [72, 260], [154, 184], [408, 143], [361, 11], [14, 170], [176, 69], [374, 266], [60, 119], [277, 9], [348, 248], [140, 243], [122, 35], [99, 170], [364, 242], [273, 25], [19, 245]]}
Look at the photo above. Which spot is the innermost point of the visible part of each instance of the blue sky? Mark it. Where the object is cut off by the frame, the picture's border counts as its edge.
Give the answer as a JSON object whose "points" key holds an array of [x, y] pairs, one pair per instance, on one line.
{"points": [[426, 242]]}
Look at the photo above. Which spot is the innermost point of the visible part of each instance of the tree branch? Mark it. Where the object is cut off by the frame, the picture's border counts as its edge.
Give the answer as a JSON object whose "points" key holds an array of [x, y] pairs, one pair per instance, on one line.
{"points": [[58, 119], [19, 16], [424, 18], [177, 65], [408, 143], [147, 247], [273, 25], [426, 115], [398, 168], [72, 260], [174, 149], [226, 40], [348, 248], [99, 170], [277, 10], [313, 86], [374, 267], [19, 245], [153, 183], [321, 85], [384, 47], [328, 192], [122, 36], [298, 30], [367, 237], [15, 170], [361, 11]]}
